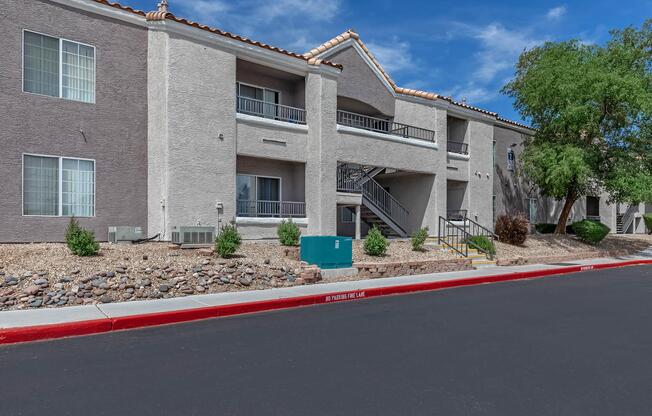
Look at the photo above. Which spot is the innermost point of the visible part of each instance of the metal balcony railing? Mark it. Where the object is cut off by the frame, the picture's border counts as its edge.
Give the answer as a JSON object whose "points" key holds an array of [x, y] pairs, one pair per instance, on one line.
{"points": [[380, 125], [281, 209], [270, 110], [461, 148], [456, 214]]}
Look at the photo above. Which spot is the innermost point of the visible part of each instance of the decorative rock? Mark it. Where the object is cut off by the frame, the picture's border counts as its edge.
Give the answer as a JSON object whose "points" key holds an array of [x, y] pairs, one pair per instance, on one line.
{"points": [[249, 270], [145, 257], [200, 288], [120, 270], [164, 288], [35, 303], [106, 299], [65, 279], [245, 281], [31, 290], [110, 274]]}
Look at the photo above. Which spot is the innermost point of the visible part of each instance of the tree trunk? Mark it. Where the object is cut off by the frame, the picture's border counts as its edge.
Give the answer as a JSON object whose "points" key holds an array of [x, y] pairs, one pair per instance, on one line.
{"points": [[565, 212]]}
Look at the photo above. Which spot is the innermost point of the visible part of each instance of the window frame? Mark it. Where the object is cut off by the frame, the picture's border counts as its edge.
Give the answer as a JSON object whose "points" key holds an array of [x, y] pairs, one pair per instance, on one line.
{"points": [[342, 210], [60, 185], [61, 40], [255, 190], [238, 83]]}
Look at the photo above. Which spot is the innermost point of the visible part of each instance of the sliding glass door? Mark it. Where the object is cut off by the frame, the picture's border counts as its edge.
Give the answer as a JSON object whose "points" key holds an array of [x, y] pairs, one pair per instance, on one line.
{"points": [[269, 196]]}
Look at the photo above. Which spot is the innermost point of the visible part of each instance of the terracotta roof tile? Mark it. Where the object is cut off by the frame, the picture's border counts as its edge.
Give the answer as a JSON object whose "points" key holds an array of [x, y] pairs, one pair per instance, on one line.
{"points": [[120, 6]]}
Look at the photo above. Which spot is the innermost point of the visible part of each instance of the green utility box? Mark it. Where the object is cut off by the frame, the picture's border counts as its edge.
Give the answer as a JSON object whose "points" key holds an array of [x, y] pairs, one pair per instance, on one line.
{"points": [[327, 252]]}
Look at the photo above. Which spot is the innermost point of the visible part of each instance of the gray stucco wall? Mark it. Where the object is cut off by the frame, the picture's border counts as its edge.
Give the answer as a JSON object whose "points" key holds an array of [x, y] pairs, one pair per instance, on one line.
{"points": [[359, 82], [115, 126]]}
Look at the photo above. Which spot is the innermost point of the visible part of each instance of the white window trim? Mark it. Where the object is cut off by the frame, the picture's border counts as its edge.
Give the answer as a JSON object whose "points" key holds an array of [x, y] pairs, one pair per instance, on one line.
{"points": [[61, 40], [60, 207], [280, 184], [260, 88]]}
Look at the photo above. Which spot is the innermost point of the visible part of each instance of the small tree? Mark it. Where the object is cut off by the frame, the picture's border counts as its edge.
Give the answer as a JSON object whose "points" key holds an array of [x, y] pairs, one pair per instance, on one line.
{"points": [[227, 241], [375, 244], [419, 238], [80, 241], [591, 107], [288, 233]]}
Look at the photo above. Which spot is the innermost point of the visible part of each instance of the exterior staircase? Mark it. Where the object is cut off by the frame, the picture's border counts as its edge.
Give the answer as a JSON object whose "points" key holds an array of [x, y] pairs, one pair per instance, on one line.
{"points": [[478, 260], [379, 207]]}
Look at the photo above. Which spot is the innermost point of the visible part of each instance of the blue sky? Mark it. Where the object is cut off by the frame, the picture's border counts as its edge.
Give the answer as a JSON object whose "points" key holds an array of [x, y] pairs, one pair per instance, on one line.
{"points": [[466, 49]]}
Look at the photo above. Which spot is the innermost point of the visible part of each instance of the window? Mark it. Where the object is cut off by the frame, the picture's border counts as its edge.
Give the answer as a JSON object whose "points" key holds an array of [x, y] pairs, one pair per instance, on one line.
{"points": [[57, 186], [348, 215], [258, 101], [58, 67], [258, 195], [532, 209]]}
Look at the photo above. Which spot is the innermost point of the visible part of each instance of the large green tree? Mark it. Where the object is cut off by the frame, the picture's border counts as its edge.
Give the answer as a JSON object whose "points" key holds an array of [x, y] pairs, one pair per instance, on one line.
{"points": [[591, 108]]}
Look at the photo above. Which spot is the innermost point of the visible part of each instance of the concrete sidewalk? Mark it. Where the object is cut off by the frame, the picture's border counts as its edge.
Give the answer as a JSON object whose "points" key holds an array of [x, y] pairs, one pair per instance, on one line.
{"points": [[68, 315]]}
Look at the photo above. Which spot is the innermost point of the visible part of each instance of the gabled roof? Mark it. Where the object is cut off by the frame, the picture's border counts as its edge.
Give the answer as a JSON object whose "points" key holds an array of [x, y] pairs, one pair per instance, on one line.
{"points": [[162, 14], [350, 34]]}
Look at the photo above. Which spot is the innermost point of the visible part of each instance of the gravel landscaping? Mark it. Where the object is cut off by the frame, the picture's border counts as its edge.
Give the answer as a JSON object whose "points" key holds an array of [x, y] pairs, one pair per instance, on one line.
{"points": [[48, 275], [560, 245], [399, 250]]}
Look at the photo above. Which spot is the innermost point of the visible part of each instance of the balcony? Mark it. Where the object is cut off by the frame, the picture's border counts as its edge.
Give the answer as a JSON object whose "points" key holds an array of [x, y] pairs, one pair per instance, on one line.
{"points": [[458, 147], [270, 209], [383, 126], [269, 110]]}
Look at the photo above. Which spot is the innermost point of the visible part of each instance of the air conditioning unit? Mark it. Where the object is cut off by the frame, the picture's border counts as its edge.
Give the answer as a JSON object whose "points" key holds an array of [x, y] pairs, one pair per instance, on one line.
{"points": [[119, 234], [193, 235]]}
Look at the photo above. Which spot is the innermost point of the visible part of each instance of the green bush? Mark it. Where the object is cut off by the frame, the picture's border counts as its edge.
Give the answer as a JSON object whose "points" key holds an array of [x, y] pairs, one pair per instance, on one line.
{"points": [[589, 231], [512, 229], [288, 233], [80, 241], [227, 241], [545, 228], [375, 244], [648, 222], [482, 242], [419, 239]]}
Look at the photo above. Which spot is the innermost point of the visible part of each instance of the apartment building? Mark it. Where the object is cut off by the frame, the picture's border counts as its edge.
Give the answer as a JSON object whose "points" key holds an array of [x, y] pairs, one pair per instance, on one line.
{"points": [[126, 118]]}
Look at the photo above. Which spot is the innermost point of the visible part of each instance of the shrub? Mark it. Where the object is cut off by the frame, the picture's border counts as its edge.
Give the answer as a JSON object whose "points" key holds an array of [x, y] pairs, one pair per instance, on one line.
{"points": [[80, 241], [545, 228], [512, 229], [375, 244], [419, 238], [288, 233], [648, 222], [483, 242], [589, 231], [227, 241]]}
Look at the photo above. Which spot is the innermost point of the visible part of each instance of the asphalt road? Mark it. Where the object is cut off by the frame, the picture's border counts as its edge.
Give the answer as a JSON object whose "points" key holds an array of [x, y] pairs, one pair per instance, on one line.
{"points": [[574, 345]]}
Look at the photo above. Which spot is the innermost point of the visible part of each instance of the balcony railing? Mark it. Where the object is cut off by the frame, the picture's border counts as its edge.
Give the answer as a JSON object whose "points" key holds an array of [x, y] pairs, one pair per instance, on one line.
{"points": [[458, 147], [281, 209], [380, 125], [456, 214], [270, 110]]}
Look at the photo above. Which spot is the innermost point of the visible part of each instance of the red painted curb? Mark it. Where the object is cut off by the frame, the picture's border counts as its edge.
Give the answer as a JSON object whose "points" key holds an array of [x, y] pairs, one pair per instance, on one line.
{"points": [[42, 332]]}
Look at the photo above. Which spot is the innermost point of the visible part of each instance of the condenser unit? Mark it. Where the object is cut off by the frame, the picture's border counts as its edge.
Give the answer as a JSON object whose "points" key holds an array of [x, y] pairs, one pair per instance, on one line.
{"points": [[118, 234], [193, 235]]}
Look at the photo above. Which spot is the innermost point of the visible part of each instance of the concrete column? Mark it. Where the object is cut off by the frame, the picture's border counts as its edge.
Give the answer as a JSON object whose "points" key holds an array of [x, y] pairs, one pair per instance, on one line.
{"points": [[357, 222], [321, 163]]}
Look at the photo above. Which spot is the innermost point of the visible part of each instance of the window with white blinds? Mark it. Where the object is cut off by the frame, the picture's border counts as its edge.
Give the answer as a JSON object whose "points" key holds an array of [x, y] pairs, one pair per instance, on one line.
{"points": [[58, 186], [58, 67]]}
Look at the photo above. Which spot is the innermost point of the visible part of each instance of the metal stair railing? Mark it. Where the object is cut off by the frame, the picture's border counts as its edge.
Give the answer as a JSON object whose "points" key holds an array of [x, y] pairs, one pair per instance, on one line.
{"points": [[352, 178], [455, 236], [628, 218]]}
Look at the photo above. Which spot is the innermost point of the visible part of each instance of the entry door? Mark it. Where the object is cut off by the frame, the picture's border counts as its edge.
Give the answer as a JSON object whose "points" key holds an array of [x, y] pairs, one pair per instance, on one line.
{"points": [[269, 196]]}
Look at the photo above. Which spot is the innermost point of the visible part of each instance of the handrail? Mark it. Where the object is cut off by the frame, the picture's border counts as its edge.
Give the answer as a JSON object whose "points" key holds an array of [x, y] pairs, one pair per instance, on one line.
{"points": [[380, 125], [262, 208], [460, 237], [246, 105], [454, 146], [356, 179], [628, 217]]}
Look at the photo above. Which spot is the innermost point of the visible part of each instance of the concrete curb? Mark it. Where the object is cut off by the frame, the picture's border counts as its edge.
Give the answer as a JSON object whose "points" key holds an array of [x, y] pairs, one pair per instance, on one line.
{"points": [[117, 323]]}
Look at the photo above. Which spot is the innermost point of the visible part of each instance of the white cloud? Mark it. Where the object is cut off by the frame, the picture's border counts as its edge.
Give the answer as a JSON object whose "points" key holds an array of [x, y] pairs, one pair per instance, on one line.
{"points": [[393, 56], [556, 13], [317, 10]]}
